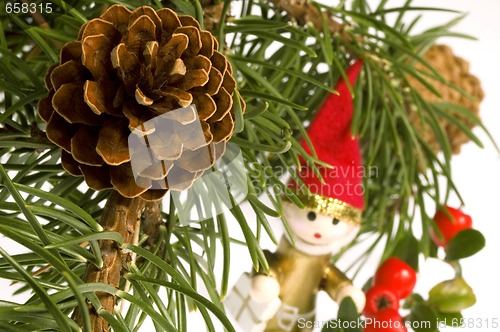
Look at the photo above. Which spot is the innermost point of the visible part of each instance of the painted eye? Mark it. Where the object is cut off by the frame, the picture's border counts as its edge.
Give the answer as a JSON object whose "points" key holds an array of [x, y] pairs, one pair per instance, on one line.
{"points": [[311, 216], [335, 221]]}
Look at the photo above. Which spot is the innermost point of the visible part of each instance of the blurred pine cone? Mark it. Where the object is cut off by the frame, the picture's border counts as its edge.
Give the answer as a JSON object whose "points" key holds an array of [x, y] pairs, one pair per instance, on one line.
{"points": [[125, 70], [212, 10], [455, 70]]}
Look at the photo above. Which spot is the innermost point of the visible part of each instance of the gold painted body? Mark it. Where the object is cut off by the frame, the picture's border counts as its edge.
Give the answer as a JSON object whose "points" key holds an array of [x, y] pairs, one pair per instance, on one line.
{"points": [[301, 276]]}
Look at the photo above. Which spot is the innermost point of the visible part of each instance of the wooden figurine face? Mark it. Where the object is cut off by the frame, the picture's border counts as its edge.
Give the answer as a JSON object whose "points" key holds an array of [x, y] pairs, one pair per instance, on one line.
{"points": [[318, 229]]}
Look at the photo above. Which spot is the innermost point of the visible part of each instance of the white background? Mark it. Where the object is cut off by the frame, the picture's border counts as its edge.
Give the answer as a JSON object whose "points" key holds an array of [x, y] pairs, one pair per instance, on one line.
{"points": [[475, 171]]}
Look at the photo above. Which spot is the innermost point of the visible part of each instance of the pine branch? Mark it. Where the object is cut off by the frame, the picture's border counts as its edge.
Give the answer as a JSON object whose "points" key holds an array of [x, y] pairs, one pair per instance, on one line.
{"points": [[120, 215]]}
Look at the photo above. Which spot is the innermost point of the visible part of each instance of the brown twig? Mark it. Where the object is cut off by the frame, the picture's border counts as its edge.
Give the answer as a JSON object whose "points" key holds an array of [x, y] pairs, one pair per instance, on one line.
{"points": [[37, 17], [120, 215], [152, 221]]}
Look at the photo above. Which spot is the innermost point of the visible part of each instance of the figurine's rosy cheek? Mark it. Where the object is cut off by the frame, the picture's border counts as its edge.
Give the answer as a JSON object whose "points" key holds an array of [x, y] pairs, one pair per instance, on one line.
{"points": [[317, 235]]}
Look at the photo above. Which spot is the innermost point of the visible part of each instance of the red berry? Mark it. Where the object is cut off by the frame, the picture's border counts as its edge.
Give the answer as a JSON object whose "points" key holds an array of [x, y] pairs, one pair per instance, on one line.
{"points": [[397, 276], [387, 320], [449, 227], [379, 298]]}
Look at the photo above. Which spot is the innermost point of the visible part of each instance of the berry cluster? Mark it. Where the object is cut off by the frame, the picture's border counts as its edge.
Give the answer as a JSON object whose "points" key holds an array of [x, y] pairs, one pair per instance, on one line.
{"points": [[393, 282]]}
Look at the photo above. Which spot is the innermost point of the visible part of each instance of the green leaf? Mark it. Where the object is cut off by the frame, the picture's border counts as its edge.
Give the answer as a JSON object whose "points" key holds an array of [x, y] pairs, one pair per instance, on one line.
{"points": [[326, 42], [331, 326], [239, 122], [349, 313], [191, 293], [262, 207], [284, 40], [407, 250], [450, 319], [282, 148], [413, 300], [82, 305], [23, 206], [42, 43], [295, 73], [226, 253], [466, 243], [62, 202], [424, 318], [148, 309], [106, 235], [187, 7], [27, 70], [265, 96], [63, 322]]}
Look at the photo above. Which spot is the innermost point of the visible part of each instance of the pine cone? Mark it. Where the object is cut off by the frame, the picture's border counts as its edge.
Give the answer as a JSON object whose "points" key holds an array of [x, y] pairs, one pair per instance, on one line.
{"points": [[212, 10], [151, 73], [456, 71]]}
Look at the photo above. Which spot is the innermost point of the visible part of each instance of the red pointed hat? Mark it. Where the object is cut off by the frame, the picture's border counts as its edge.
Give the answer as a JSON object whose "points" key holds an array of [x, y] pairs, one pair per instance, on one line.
{"points": [[340, 195]]}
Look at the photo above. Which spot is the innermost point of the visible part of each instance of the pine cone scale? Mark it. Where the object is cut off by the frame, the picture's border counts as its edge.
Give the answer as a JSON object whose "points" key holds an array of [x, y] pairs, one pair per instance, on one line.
{"points": [[101, 27], [112, 144], [214, 82], [45, 108], [193, 78], [68, 101], [189, 21], [140, 32], [137, 116], [123, 180], [119, 17], [194, 44], [190, 136], [96, 178], [141, 98], [152, 15], [182, 97], [83, 146], [169, 22], [95, 56], [70, 51], [69, 72], [223, 129], [174, 48], [100, 97], [224, 103], [60, 132], [70, 164], [157, 171], [219, 61], [207, 44], [206, 106]]}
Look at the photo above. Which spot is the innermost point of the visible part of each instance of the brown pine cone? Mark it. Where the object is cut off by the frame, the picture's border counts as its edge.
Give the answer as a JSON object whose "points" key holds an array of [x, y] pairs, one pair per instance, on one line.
{"points": [[212, 10], [131, 97], [455, 70]]}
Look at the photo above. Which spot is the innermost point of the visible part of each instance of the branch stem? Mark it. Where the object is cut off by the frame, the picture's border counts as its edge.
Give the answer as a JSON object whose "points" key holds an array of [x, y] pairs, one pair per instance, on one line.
{"points": [[120, 215]]}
